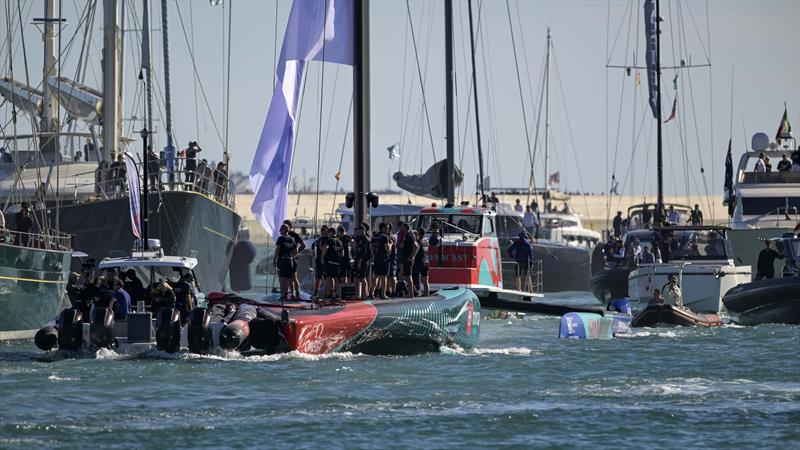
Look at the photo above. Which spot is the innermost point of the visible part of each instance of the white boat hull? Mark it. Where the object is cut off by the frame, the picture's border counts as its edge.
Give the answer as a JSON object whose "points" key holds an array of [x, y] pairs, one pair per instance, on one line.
{"points": [[702, 285]]}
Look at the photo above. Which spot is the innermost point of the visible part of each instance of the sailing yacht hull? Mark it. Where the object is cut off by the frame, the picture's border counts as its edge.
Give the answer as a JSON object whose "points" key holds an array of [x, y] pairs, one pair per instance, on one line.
{"points": [[187, 223], [564, 268], [32, 285], [702, 285]]}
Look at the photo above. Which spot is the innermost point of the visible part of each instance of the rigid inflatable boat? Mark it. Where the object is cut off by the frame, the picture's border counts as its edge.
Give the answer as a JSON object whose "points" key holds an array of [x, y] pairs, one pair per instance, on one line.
{"points": [[669, 315], [766, 301]]}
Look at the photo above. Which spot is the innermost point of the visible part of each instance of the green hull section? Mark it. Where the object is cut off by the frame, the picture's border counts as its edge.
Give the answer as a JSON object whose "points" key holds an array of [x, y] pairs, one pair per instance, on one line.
{"points": [[32, 285]]}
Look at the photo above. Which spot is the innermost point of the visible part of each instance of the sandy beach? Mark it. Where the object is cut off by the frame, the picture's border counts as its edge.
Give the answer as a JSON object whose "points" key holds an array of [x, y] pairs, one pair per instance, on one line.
{"points": [[592, 208]]}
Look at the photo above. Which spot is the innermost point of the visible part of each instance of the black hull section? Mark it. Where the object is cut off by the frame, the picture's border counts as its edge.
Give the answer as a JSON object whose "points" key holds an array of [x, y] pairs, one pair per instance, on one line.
{"points": [[564, 268], [610, 283], [186, 222], [766, 301], [656, 315]]}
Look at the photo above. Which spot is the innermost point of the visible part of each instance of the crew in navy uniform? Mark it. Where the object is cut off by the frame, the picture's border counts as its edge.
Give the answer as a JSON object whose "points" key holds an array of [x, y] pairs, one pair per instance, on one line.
{"points": [[407, 254], [345, 265], [391, 282], [318, 248], [332, 259], [362, 254], [419, 273], [299, 246], [381, 248], [285, 252]]}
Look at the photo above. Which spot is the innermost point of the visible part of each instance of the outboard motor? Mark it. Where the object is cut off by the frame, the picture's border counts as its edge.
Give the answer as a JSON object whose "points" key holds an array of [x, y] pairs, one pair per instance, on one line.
{"points": [[47, 337], [70, 326], [199, 333], [265, 334], [168, 329], [234, 335], [243, 254], [101, 331]]}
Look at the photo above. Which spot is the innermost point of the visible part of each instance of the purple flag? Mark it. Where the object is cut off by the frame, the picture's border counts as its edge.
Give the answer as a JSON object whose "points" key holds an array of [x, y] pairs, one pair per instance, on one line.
{"points": [[319, 30], [132, 174]]}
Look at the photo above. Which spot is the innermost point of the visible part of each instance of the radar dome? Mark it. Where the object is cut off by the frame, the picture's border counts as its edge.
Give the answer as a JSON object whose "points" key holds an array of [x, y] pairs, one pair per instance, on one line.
{"points": [[760, 142]]}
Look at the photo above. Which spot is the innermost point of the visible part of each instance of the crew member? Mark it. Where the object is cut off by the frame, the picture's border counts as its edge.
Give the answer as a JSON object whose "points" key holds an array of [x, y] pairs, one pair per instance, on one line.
{"points": [[332, 259], [784, 165], [419, 272], [345, 264], [522, 252], [133, 285], [407, 255], [185, 295], [657, 298], [362, 253], [617, 224], [381, 248], [122, 300], [299, 246], [672, 292], [24, 223], [191, 162], [766, 262], [696, 217], [391, 284], [285, 251], [318, 249]]}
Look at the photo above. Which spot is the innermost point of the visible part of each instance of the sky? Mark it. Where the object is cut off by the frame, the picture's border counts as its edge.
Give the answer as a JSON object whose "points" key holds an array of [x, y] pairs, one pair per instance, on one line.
{"points": [[600, 124]]}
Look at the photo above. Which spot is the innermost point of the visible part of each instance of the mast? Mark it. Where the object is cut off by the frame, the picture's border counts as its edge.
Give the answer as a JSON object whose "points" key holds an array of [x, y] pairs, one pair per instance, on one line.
{"points": [[146, 66], [49, 124], [361, 110], [450, 124], [169, 150], [547, 124], [475, 93], [111, 74], [659, 212]]}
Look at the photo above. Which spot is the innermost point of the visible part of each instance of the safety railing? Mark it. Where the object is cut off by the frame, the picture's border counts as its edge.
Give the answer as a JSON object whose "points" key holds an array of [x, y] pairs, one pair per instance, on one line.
{"points": [[111, 182], [52, 240], [532, 281]]}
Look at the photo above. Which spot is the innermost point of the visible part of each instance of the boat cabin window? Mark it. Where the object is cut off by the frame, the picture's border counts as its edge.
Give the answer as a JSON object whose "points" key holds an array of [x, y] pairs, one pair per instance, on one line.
{"points": [[690, 245], [508, 226], [757, 206], [488, 226], [453, 223]]}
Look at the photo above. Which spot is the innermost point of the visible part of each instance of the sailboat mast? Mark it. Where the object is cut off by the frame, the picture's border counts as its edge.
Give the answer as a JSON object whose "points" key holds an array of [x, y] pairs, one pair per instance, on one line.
{"points": [[450, 124], [361, 111], [49, 125], [659, 213], [475, 94], [169, 150], [146, 64], [111, 76], [547, 124]]}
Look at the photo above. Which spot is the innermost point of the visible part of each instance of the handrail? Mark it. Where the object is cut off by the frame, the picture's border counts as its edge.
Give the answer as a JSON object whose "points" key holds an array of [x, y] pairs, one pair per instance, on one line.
{"points": [[110, 182], [53, 240]]}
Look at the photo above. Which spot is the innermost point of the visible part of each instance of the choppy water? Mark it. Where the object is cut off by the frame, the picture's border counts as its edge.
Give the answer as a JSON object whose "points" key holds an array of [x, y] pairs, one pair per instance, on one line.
{"points": [[731, 387]]}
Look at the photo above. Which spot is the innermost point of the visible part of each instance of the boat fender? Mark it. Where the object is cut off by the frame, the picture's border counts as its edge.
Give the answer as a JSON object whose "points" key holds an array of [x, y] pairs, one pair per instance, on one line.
{"points": [[244, 252], [101, 330], [264, 334], [234, 335], [199, 333], [168, 330], [47, 337], [70, 326]]}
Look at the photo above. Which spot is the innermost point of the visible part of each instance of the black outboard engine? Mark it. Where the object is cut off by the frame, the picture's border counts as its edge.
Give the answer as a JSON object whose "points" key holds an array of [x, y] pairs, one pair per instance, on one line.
{"points": [[168, 329], [101, 331], [234, 335], [47, 337], [199, 333], [265, 334], [70, 326]]}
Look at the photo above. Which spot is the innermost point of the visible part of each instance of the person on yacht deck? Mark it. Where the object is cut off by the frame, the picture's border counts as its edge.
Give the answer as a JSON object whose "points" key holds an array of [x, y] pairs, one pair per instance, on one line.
{"points": [[696, 217], [761, 166], [518, 206], [785, 165], [673, 216]]}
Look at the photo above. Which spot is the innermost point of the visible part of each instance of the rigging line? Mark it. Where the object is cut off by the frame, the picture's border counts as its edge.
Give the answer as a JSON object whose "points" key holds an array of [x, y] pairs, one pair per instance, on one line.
{"points": [[341, 154], [228, 85], [470, 87], [619, 30], [403, 84], [681, 125], [194, 80], [297, 131], [532, 181], [321, 109], [330, 113], [710, 105], [197, 75], [35, 139], [421, 83], [707, 53], [519, 86], [475, 94]]}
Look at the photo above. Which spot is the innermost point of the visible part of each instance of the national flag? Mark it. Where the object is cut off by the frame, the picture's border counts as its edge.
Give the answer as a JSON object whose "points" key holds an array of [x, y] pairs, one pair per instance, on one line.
{"points": [[312, 25], [554, 179], [394, 151], [785, 128], [338, 175], [674, 109], [132, 175], [729, 168]]}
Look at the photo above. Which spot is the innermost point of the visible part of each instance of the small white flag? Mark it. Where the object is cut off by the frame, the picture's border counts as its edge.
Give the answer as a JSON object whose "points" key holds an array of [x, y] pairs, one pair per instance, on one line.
{"points": [[394, 151]]}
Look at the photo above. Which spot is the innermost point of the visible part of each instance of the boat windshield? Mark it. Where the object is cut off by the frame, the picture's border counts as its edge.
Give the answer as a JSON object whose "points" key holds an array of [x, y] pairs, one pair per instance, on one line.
{"points": [[508, 226], [446, 222], [691, 245]]}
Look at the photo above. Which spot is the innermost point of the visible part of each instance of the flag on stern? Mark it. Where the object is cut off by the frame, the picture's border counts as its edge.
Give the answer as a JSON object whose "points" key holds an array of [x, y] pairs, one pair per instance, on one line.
{"points": [[785, 128], [320, 30]]}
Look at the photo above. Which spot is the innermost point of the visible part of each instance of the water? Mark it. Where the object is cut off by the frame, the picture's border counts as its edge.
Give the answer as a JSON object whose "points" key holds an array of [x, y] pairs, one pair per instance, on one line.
{"points": [[662, 388]]}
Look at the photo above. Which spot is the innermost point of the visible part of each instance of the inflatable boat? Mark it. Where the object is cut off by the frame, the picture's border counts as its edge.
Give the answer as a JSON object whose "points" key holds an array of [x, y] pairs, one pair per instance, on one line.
{"points": [[669, 315], [766, 301]]}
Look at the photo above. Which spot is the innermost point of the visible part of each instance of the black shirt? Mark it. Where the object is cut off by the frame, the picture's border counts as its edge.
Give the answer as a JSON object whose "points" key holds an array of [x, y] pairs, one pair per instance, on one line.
{"points": [[24, 222], [298, 241], [766, 260], [362, 250], [784, 166], [421, 257], [191, 157], [284, 246], [617, 225], [345, 240], [333, 252], [408, 246], [318, 246], [379, 242]]}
